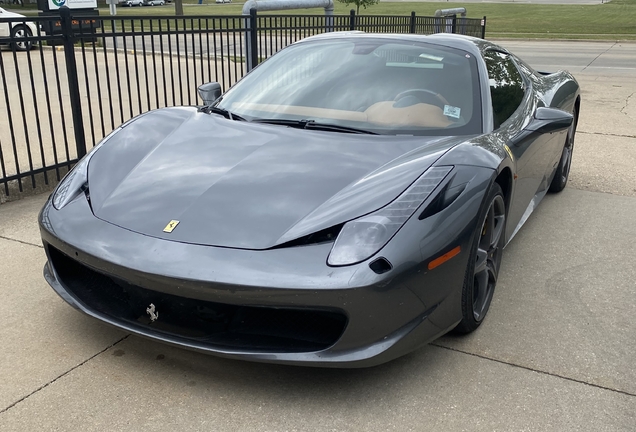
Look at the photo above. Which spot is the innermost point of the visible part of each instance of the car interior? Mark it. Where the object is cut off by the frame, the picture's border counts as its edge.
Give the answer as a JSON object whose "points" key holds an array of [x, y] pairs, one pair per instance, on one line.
{"points": [[385, 86]]}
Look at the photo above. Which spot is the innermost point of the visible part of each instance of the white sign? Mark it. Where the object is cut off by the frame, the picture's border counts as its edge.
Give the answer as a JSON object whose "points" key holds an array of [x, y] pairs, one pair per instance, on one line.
{"points": [[72, 4]]}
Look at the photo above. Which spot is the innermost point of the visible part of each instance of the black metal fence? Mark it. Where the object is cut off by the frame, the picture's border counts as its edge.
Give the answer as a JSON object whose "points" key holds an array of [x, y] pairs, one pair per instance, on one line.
{"points": [[68, 81]]}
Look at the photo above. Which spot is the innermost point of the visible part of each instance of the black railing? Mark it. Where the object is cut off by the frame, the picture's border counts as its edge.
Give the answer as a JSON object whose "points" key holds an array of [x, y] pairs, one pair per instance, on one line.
{"points": [[87, 75]]}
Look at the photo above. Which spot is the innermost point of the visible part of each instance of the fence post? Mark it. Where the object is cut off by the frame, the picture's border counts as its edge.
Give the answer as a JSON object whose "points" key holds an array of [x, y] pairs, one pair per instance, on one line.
{"points": [[252, 54], [412, 29], [483, 28], [329, 19], [454, 24], [352, 20], [73, 80]]}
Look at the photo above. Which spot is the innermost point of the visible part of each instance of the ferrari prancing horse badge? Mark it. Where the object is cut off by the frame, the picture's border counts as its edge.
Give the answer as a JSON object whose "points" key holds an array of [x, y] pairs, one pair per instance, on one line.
{"points": [[171, 226], [150, 310]]}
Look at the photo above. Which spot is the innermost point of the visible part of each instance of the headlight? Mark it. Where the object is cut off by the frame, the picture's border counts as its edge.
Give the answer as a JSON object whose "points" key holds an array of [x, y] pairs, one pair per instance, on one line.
{"points": [[72, 185], [363, 237], [76, 181]]}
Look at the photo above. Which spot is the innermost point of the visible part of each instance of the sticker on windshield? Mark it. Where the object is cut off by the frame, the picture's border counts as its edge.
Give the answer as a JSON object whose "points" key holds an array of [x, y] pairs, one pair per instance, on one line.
{"points": [[431, 57], [451, 111]]}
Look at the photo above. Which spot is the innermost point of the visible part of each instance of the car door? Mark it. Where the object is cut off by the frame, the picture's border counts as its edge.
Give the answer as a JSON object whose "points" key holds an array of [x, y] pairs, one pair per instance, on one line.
{"points": [[547, 86], [513, 103]]}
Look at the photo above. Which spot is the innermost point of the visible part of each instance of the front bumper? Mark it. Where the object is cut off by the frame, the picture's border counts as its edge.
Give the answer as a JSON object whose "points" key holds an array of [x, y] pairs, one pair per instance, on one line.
{"points": [[370, 318]]}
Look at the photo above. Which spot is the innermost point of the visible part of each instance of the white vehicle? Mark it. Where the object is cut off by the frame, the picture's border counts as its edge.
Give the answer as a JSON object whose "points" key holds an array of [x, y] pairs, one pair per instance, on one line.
{"points": [[131, 3], [17, 30], [154, 2], [224, 1]]}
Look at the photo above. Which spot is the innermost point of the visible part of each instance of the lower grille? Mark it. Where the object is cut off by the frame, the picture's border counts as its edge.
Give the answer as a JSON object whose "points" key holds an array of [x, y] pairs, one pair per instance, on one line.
{"points": [[249, 328]]}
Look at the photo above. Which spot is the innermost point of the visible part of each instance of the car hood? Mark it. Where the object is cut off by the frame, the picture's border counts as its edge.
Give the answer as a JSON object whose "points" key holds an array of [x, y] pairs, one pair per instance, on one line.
{"points": [[246, 185], [8, 14]]}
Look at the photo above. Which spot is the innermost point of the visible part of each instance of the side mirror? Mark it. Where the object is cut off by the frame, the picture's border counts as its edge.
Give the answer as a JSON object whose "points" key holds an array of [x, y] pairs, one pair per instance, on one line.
{"points": [[548, 120], [209, 92]]}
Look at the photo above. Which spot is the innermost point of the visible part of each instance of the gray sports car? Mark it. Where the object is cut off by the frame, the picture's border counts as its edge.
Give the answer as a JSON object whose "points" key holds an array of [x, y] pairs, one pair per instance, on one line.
{"points": [[345, 203]]}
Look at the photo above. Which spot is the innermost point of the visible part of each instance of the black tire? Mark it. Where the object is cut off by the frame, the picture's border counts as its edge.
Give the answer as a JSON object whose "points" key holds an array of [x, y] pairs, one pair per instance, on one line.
{"points": [[18, 32], [563, 170], [484, 261]]}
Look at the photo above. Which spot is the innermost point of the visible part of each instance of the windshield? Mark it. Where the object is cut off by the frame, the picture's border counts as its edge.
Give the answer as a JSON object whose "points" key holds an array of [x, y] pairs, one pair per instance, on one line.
{"points": [[382, 86]]}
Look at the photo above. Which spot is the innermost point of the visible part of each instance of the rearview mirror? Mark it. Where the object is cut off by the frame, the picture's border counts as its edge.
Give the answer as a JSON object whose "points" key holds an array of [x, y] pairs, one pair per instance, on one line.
{"points": [[209, 92], [548, 120]]}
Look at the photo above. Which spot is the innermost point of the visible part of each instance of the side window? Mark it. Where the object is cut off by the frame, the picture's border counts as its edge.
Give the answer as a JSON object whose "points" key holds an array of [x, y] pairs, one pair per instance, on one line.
{"points": [[506, 85]]}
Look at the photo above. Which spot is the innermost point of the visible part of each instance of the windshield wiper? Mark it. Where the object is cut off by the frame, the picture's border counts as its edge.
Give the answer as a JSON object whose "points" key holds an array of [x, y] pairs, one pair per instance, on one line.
{"points": [[337, 128], [225, 113], [314, 125]]}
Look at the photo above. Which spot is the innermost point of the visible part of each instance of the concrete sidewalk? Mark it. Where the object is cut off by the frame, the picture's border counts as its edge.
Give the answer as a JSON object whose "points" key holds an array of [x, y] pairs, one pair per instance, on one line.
{"points": [[555, 354]]}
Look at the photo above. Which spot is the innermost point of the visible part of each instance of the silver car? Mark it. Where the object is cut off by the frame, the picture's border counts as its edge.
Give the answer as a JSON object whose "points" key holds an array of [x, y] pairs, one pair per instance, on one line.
{"points": [[131, 3]]}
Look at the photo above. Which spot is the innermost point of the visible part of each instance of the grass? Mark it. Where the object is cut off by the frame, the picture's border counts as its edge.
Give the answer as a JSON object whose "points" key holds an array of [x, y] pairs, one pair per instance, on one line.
{"points": [[614, 20]]}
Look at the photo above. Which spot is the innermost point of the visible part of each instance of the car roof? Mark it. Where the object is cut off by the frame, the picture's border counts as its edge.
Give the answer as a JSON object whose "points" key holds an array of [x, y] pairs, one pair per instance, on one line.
{"points": [[467, 43]]}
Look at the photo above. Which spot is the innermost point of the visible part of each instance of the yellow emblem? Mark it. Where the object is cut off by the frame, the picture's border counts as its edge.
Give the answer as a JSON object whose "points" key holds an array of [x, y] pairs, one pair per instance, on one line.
{"points": [[171, 226], [509, 152]]}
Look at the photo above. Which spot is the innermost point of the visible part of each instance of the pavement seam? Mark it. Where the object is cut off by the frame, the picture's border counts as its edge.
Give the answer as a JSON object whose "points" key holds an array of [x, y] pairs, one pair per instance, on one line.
{"points": [[606, 134], [62, 375], [604, 52], [21, 241], [536, 370]]}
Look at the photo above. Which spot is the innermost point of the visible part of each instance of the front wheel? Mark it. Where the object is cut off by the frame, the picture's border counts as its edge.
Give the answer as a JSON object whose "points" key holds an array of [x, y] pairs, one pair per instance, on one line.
{"points": [[19, 32], [484, 262]]}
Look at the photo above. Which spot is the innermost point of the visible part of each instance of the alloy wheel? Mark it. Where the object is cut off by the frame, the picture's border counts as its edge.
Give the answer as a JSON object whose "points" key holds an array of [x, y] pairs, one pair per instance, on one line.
{"points": [[566, 157], [19, 34], [488, 260]]}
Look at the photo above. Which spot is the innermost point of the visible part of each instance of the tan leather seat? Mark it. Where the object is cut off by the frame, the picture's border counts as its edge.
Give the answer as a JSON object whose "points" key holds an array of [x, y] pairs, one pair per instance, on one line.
{"points": [[418, 115], [381, 113]]}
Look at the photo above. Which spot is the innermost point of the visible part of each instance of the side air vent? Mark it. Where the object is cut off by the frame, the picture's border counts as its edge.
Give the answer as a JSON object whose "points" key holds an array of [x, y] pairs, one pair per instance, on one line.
{"points": [[443, 199], [381, 265]]}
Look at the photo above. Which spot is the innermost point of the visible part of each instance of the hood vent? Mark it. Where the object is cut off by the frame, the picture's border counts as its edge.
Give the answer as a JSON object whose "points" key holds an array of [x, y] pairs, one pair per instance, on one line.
{"points": [[324, 236]]}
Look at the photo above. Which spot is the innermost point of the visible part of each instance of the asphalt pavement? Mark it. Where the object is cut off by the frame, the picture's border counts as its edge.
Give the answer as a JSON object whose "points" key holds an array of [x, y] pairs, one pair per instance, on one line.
{"points": [[556, 352], [597, 59]]}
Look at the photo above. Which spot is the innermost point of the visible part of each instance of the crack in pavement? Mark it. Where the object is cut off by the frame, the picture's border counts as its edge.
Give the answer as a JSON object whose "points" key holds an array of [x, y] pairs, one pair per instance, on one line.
{"points": [[604, 52], [62, 375], [21, 241], [606, 134], [623, 392], [626, 103]]}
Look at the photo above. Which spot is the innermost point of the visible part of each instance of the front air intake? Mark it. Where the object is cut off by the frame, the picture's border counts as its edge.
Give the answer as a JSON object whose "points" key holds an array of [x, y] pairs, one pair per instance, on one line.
{"points": [[219, 325]]}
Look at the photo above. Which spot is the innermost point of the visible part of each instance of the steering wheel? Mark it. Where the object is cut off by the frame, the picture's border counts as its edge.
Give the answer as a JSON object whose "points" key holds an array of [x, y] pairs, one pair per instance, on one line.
{"points": [[424, 95]]}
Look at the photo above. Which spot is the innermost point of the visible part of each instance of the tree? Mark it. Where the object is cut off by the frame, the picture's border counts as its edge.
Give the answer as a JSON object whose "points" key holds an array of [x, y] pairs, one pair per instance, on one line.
{"points": [[364, 3], [178, 7]]}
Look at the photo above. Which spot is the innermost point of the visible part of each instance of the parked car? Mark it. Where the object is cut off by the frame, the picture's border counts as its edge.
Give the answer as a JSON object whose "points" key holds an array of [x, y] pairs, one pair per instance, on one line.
{"points": [[223, 1], [154, 2], [131, 3], [17, 30], [343, 204]]}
